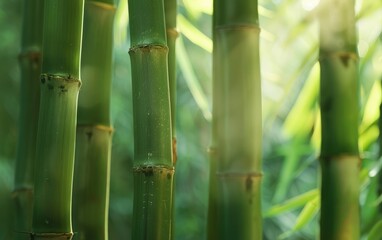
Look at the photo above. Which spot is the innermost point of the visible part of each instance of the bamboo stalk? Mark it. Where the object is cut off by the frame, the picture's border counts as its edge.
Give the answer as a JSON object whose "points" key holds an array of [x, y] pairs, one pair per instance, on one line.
{"points": [[238, 119], [339, 100], [30, 63], [93, 143], [170, 10], [60, 82], [153, 161]]}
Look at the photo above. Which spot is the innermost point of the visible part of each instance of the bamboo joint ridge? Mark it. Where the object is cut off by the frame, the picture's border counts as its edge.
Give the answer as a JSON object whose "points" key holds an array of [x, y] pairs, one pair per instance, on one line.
{"points": [[57, 236], [154, 169], [343, 55], [68, 79], [148, 48], [340, 157], [19, 191], [33, 56], [99, 127], [237, 27]]}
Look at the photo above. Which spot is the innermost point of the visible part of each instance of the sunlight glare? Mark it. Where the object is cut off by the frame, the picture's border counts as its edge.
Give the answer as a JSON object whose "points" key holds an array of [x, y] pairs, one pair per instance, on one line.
{"points": [[309, 5]]}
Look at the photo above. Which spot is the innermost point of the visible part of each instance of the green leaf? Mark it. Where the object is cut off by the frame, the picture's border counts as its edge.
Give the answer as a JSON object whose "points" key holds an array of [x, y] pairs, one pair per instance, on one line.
{"points": [[292, 203], [306, 215], [192, 80], [376, 231], [193, 34]]}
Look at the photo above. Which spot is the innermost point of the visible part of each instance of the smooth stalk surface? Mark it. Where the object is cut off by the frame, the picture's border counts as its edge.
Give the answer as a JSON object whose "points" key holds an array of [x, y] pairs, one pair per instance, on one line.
{"points": [[30, 63], [236, 144], [93, 143], [339, 101], [170, 10], [60, 82], [153, 160]]}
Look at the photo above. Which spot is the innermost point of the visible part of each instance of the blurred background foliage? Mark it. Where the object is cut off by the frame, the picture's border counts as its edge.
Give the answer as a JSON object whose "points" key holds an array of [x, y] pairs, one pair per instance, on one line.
{"points": [[291, 135]]}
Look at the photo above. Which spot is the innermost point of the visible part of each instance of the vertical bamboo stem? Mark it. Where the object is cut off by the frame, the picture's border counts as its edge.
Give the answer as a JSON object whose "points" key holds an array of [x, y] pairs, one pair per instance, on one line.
{"points": [[93, 143], [153, 160], [238, 121], [60, 82], [30, 62], [170, 10], [339, 118]]}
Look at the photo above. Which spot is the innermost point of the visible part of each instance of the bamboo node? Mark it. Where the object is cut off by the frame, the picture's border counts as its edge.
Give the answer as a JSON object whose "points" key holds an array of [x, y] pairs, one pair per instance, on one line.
{"points": [[148, 48], [236, 27], [46, 77], [342, 55], [149, 170], [172, 32], [99, 127], [16, 192], [32, 56], [56, 236], [340, 157]]}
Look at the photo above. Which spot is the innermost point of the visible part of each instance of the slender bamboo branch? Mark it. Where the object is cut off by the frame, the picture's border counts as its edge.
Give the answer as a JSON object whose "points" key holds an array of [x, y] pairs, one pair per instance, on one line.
{"points": [[30, 62], [237, 133], [93, 143], [339, 96], [153, 161], [60, 84], [170, 8]]}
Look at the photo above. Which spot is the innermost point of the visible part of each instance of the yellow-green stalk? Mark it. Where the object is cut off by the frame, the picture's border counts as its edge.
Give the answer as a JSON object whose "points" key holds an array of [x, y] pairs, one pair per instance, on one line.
{"points": [[237, 133], [339, 101]]}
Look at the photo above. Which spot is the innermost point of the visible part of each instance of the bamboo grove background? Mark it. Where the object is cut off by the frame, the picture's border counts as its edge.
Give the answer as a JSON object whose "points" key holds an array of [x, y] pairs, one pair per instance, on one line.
{"points": [[291, 118]]}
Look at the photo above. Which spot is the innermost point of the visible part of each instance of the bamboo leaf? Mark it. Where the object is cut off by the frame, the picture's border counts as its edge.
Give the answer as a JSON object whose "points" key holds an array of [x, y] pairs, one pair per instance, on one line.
{"points": [[368, 8], [192, 80], [194, 34], [306, 215], [196, 7], [292, 203], [376, 231]]}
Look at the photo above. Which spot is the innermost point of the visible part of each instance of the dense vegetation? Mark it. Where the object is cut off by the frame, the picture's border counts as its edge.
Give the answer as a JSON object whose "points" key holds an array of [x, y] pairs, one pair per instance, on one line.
{"points": [[290, 73]]}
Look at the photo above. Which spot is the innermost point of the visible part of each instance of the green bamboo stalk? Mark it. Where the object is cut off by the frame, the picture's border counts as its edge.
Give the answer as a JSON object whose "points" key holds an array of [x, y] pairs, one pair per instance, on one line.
{"points": [[237, 142], [153, 162], [60, 82], [93, 143], [30, 63], [170, 10], [339, 100], [217, 106]]}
